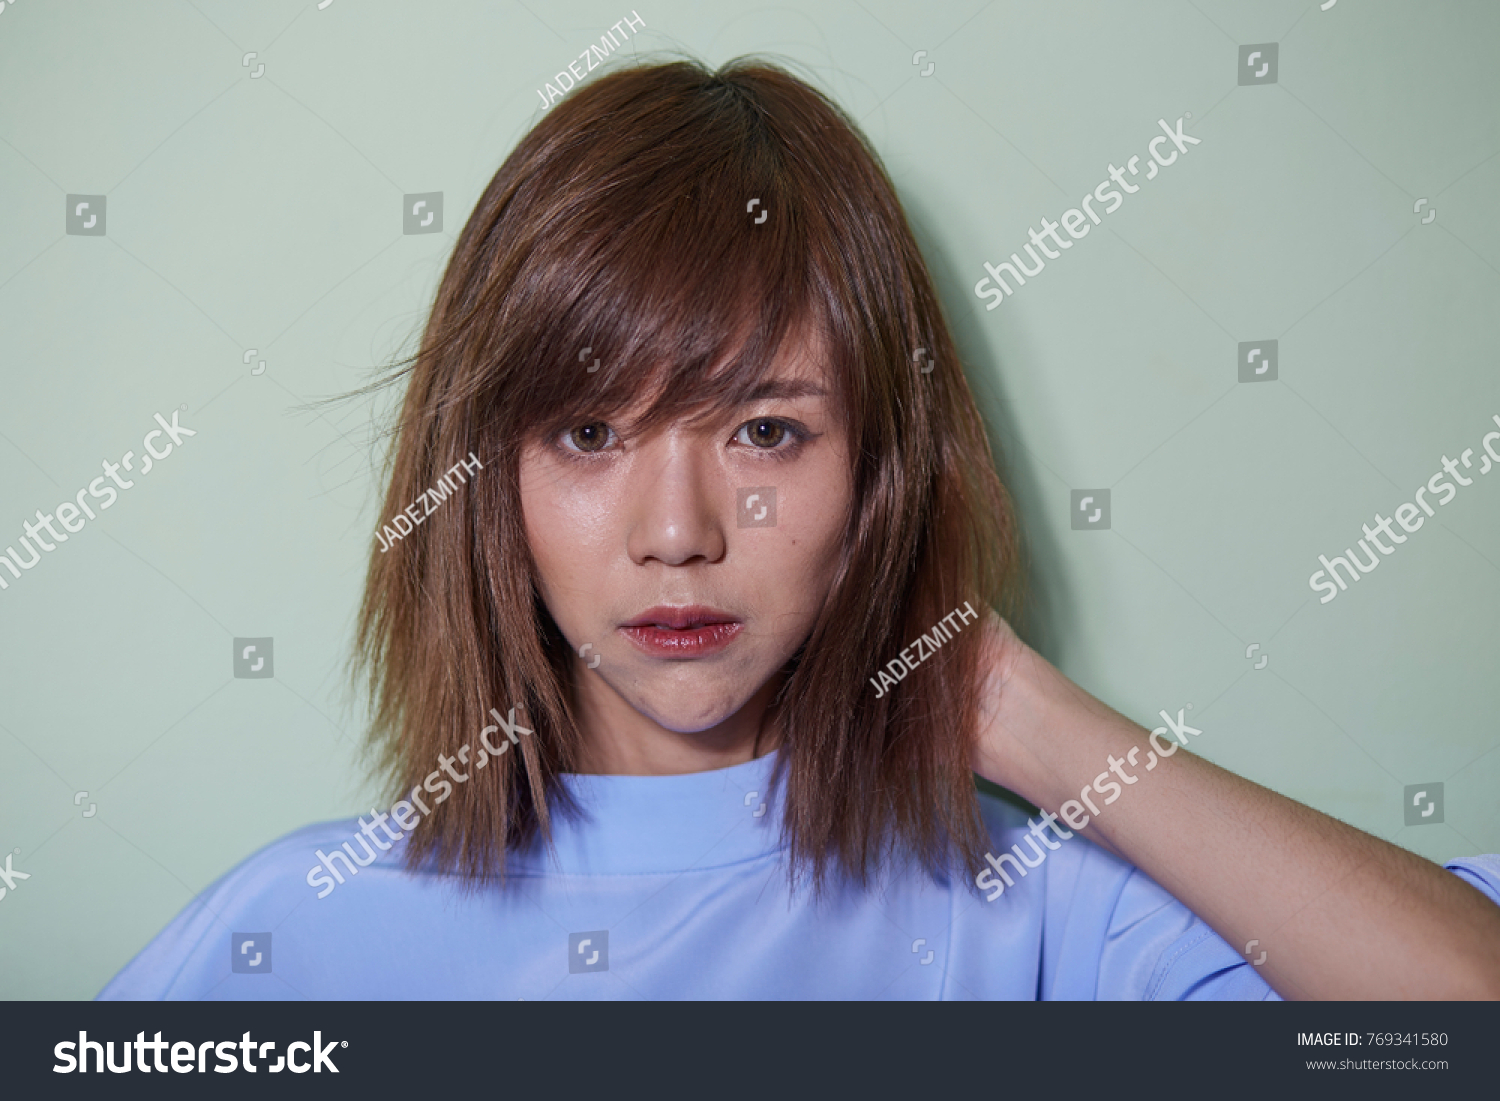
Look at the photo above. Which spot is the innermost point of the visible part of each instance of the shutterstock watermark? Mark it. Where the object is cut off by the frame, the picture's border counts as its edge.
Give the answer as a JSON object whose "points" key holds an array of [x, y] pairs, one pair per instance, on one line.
{"points": [[429, 500], [71, 515], [925, 646], [1071, 811], [1407, 515], [403, 812], [9, 875], [187, 1058], [1073, 220]]}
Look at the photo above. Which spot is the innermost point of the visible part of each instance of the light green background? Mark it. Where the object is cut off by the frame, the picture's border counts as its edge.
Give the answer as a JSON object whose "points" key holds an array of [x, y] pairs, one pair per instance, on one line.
{"points": [[266, 213]]}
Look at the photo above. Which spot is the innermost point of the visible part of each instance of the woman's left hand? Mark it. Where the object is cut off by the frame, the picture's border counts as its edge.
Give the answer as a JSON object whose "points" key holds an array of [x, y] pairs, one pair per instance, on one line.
{"points": [[1339, 913]]}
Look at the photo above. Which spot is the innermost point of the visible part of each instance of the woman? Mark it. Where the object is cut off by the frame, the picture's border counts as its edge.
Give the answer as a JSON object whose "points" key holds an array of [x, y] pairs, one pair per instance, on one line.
{"points": [[693, 604]]}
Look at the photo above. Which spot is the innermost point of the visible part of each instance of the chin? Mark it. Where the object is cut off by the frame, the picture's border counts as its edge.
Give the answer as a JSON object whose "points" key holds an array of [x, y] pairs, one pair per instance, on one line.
{"points": [[682, 721], [692, 715]]}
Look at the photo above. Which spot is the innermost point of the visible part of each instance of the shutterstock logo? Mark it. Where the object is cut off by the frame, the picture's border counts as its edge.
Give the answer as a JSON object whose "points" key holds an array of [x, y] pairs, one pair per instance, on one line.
{"points": [[588, 951], [1257, 360], [253, 657], [250, 953], [422, 213], [1424, 804], [1408, 515], [1258, 63], [74, 513], [1090, 509], [1080, 219], [85, 216], [9, 875], [404, 811], [757, 507]]}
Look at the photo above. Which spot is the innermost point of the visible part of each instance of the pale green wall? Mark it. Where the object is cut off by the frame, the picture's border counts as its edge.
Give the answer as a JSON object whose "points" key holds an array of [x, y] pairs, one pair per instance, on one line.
{"points": [[264, 213]]}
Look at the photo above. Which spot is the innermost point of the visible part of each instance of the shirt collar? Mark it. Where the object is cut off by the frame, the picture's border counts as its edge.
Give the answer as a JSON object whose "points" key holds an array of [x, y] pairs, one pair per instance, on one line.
{"points": [[640, 825]]}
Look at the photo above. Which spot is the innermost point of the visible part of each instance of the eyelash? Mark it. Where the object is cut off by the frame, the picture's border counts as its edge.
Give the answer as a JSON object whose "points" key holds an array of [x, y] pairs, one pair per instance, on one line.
{"points": [[796, 433]]}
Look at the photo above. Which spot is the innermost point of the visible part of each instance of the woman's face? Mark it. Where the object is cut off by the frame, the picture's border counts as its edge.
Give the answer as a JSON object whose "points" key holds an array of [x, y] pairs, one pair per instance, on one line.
{"points": [[737, 519]]}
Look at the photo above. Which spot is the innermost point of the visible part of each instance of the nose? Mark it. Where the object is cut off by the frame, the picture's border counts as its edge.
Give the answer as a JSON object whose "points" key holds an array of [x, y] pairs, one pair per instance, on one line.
{"points": [[674, 497]]}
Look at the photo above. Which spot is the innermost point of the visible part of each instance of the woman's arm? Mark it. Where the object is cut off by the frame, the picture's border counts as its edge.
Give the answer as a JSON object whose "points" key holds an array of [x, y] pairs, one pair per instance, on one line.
{"points": [[1339, 913]]}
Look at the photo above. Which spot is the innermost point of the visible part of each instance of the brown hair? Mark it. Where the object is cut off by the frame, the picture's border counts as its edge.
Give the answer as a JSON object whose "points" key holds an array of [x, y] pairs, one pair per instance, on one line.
{"points": [[619, 224]]}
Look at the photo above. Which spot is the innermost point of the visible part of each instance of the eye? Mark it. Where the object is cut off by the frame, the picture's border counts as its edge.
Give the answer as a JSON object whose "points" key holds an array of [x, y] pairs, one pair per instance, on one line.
{"points": [[768, 434], [588, 438], [765, 433]]}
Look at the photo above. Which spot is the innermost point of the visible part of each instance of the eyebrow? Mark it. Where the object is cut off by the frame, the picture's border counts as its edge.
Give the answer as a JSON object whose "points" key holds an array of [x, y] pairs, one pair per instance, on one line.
{"points": [[781, 389]]}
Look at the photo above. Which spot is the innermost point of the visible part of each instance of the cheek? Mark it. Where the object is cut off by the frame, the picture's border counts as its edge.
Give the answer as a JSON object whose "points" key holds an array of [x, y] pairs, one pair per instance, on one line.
{"points": [[553, 524], [552, 530], [813, 537], [572, 530]]}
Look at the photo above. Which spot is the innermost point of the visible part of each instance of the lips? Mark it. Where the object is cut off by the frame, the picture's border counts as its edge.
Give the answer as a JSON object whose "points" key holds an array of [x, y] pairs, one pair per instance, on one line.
{"points": [[693, 631], [685, 618]]}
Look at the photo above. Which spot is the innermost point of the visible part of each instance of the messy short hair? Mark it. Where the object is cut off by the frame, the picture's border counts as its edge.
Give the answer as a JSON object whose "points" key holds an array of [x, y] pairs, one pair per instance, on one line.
{"points": [[623, 223]]}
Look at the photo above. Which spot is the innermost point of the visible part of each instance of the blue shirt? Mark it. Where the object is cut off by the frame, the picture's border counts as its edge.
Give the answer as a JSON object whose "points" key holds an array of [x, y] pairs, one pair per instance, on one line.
{"points": [[676, 888]]}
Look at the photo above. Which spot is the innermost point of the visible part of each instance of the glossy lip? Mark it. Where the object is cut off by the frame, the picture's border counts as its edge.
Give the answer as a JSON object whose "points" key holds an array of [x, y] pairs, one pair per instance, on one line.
{"points": [[693, 642], [691, 631], [680, 619]]}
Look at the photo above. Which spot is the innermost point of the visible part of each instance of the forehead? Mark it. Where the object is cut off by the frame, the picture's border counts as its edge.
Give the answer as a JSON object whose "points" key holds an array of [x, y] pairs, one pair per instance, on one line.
{"points": [[801, 369]]}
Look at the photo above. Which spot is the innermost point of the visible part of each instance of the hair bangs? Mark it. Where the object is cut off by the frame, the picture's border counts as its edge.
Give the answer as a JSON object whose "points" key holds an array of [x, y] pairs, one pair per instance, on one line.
{"points": [[686, 314]]}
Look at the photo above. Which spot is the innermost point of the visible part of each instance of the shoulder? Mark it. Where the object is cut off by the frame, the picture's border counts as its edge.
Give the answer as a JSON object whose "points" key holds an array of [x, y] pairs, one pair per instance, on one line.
{"points": [[1042, 845], [1035, 865], [297, 860], [194, 952], [1106, 929]]}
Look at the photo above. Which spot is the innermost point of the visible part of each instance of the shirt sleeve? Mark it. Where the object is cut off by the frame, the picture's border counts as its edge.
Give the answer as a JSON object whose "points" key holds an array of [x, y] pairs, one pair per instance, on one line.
{"points": [[1154, 948], [1482, 872], [191, 959], [1123, 937], [157, 971]]}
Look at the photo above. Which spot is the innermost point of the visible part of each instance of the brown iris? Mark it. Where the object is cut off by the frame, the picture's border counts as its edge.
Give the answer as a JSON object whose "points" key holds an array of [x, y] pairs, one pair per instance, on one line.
{"points": [[777, 431], [589, 437]]}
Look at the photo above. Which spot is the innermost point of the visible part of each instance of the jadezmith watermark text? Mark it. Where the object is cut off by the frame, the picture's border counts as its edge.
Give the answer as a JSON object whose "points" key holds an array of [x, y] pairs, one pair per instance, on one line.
{"points": [[925, 646], [429, 500]]}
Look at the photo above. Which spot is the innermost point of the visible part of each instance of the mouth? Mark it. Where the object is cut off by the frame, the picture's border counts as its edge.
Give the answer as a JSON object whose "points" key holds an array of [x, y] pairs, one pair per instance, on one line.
{"points": [[688, 617], [692, 631]]}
